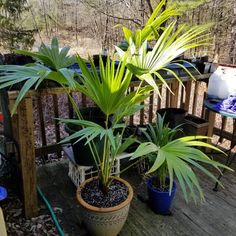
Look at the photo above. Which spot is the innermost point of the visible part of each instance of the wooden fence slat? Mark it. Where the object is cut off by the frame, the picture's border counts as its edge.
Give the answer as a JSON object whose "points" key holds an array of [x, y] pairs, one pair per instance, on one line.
{"points": [[182, 95], [195, 97], [203, 111], [142, 115], [150, 115], [84, 104], [187, 95], [41, 123], [70, 107], [174, 97], [159, 99], [211, 119], [27, 156], [56, 115], [56, 122], [167, 98]]}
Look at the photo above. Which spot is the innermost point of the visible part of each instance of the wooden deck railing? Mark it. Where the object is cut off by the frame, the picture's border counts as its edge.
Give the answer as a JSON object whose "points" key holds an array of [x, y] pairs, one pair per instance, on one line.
{"points": [[190, 98]]}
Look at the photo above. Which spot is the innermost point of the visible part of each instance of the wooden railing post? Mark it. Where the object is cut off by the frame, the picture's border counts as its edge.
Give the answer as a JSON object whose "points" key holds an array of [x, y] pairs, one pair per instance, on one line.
{"points": [[187, 95], [174, 97], [27, 156]]}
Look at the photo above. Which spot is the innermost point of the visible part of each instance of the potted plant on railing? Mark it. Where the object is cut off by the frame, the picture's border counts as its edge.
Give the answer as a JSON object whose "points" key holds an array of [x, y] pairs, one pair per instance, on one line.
{"points": [[170, 157], [108, 88]]}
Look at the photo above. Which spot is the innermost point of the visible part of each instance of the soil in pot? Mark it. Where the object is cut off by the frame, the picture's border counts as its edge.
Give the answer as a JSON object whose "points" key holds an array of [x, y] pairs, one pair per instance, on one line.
{"points": [[117, 193]]}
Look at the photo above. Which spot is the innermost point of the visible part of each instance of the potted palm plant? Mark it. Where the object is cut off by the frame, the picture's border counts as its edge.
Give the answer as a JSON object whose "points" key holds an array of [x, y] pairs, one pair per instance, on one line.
{"points": [[171, 157], [105, 199], [50, 66]]}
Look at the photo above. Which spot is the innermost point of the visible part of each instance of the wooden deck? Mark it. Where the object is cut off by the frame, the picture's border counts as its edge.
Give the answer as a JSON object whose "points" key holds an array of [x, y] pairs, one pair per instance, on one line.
{"points": [[216, 216]]}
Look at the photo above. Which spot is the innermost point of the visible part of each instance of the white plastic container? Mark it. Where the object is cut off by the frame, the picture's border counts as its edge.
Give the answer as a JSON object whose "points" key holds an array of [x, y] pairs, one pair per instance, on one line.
{"points": [[222, 82]]}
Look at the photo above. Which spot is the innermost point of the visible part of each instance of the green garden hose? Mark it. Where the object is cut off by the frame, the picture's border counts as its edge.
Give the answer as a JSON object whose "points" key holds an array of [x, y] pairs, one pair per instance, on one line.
{"points": [[59, 229]]}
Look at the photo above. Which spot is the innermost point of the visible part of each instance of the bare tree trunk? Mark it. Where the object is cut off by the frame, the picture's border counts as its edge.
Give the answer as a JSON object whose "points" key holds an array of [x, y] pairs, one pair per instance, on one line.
{"points": [[142, 11], [56, 15], [106, 36], [45, 17], [149, 6], [76, 20], [35, 22], [215, 45], [233, 37]]}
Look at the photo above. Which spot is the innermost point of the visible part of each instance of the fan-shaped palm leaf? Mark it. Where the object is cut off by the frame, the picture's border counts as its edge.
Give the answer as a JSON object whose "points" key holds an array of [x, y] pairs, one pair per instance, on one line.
{"points": [[171, 44], [31, 77], [52, 56], [108, 88]]}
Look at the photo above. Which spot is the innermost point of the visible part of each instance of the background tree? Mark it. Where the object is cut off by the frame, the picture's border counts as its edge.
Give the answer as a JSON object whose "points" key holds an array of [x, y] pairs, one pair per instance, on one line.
{"points": [[90, 24], [12, 32]]}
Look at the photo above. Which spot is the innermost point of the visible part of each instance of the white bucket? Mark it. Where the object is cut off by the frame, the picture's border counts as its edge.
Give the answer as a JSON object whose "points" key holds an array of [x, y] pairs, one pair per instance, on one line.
{"points": [[222, 82]]}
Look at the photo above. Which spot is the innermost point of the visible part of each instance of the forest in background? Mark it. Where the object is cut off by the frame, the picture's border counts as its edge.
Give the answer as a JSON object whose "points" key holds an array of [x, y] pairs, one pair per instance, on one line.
{"points": [[89, 26]]}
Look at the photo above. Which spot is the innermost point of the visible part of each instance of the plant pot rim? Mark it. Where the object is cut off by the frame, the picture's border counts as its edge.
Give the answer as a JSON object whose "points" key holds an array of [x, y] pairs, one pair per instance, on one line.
{"points": [[103, 209], [156, 190]]}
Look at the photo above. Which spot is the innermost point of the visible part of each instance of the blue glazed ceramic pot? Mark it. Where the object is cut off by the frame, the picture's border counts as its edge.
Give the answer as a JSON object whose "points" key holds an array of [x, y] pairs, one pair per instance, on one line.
{"points": [[160, 202]]}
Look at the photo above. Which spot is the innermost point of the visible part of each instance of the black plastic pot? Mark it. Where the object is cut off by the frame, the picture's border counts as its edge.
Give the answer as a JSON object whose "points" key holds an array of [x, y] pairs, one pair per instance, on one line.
{"points": [[82, 152], [200, 63], [135, 131], [173, 116], [15, 59], [96, 59]]}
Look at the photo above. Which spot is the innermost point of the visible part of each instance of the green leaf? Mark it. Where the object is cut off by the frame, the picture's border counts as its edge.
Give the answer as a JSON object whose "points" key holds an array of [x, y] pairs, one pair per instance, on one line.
{"points": [[160, 159], [127, 33], [144, 149], [26, 87], [126, 144]]}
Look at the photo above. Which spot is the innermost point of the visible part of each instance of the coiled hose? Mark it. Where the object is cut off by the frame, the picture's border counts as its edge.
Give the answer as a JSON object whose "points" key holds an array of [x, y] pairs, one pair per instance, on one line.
{"points": [[59, 229]]}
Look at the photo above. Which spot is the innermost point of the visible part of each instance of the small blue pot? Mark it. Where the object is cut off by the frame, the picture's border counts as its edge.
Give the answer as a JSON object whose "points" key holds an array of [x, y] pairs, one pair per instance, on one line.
{"points": [[3, 193], [160, 202]]}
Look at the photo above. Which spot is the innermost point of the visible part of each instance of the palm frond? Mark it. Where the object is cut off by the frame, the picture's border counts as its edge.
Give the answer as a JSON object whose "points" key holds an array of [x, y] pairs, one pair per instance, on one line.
{"points": [[171, 44], [51, 55]]}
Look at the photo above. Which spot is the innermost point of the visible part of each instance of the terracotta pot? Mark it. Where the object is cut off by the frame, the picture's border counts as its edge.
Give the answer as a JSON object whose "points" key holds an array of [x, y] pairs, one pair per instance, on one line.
{"points": [[104, 221]]}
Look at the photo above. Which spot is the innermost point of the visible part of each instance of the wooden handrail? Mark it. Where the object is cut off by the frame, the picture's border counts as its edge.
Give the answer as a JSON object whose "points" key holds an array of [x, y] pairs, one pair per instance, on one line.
{"points": [[59, 90]]}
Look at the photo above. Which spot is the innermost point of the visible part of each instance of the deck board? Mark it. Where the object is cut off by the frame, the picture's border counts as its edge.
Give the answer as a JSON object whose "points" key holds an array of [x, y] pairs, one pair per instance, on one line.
{"points": [[216, 216]]}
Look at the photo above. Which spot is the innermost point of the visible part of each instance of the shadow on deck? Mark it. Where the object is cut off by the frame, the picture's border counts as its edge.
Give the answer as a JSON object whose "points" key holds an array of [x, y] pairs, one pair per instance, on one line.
{"points": [[216, 216]]}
